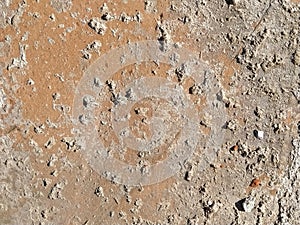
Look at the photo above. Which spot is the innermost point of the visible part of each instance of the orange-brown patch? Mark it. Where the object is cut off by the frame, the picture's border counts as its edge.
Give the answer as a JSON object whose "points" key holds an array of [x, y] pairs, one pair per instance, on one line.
{"points": [[255, 183], [229, 68]]}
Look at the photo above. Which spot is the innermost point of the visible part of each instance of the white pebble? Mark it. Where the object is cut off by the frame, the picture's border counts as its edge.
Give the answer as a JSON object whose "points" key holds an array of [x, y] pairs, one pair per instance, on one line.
{"points": [[248, 204], [260, 134]]}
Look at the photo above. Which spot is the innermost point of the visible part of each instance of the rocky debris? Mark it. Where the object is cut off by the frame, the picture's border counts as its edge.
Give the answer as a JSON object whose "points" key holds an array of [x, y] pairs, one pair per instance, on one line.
{"points": [[56, 96], [71, 144], [30, 82], [210, 207], [99, 192], [90, 48], [39, 129], [98, 25], [126, 18], [130, 95], [50, 143], [46, 182], [123, 17], [36, 149], [118, 99], [151, 6], [232, 125], [107, 16], [52, 160], [190, 173], [97, 82], [196, 90], [164, 37], [21, 61], [183, 71], [56, 190], [89, 102]]}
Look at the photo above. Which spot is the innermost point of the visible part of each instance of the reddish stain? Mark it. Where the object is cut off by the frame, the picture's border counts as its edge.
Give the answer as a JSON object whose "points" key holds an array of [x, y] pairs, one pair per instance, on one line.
{"points": [[255, 183]]}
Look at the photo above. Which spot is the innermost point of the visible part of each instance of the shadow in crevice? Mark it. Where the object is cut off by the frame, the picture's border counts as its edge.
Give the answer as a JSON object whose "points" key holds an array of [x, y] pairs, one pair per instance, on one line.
{"points": [[239, 205]]}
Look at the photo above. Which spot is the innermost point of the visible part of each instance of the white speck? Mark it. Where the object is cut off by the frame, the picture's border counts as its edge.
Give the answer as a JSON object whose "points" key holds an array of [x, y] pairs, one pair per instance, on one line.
{"points": [[95, 45], [30, 81], [99, 192], [103, 8], [51, 41], [52, 17], [56, 96], [260, 134], [50, 143]]}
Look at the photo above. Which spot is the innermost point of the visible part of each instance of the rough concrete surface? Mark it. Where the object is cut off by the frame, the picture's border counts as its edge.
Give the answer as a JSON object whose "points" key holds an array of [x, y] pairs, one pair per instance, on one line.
{"points": [[150, 112]]}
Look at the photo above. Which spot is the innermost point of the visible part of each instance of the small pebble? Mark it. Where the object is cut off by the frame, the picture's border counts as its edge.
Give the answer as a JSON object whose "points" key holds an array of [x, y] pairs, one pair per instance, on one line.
{"points": [[259, 134], [248, 204]]}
